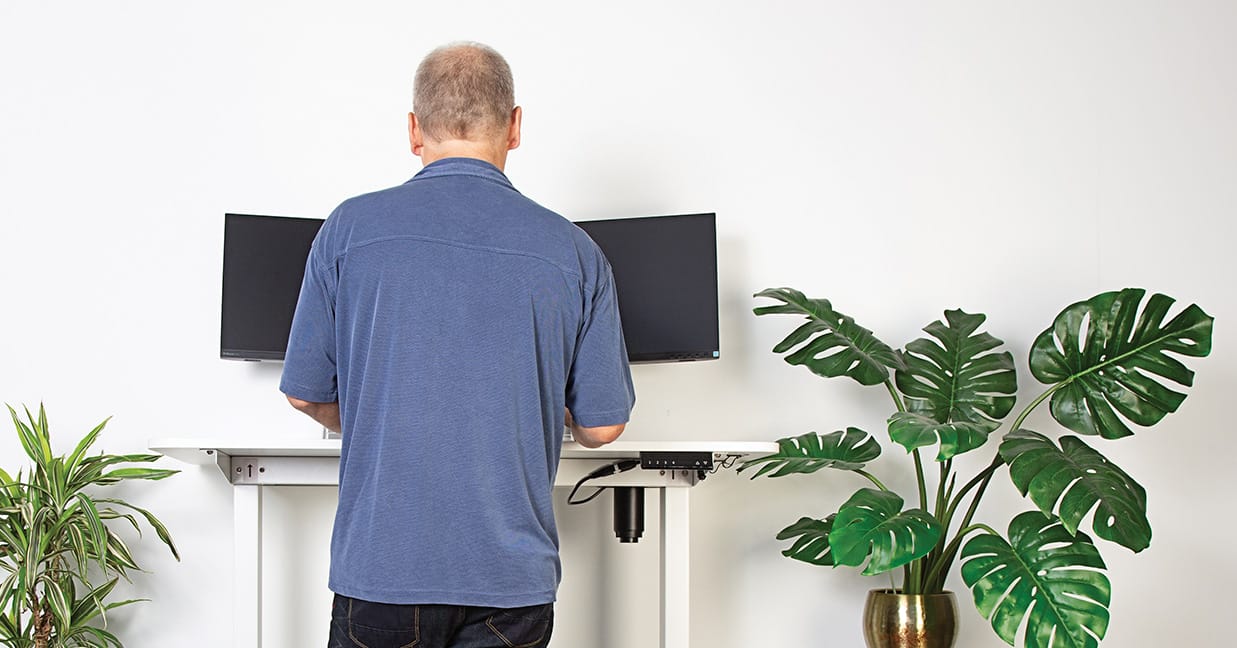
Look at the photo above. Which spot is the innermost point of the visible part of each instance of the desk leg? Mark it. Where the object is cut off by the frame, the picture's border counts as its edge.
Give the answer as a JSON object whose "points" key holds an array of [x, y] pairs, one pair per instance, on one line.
{"points": [[247, 567], [675, 576]]}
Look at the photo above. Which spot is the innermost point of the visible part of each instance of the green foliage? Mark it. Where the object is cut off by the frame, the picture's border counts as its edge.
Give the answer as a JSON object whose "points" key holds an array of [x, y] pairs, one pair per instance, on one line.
{"points": [[953, 377], [1073, 479], [54, 537], [956, 391], [1104, 352], [811, 540], [848, 450], [872, 524], [1045, 572], [1106, 361], [832, 343], [912, 430]]}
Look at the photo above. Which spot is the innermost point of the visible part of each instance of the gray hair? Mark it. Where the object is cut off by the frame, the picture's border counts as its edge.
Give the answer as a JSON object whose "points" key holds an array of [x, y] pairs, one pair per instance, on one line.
{"points": [[463, 91]]}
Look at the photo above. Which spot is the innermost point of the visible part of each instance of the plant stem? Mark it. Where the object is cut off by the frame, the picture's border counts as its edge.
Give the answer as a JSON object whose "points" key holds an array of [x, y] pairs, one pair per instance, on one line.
{"points": [[944, 488], [923, 488], [41, 617], [980, 525], [986, 473], [947, 557], [1035, 403], [939, 570], [949, 492], [914, 584], [872, 478], [893, 393], [941, 566], [941, 496], [970, 513]]}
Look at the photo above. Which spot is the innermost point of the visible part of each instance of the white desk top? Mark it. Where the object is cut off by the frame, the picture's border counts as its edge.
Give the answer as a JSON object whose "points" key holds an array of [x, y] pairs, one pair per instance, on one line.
{"points": [[193, 450]]}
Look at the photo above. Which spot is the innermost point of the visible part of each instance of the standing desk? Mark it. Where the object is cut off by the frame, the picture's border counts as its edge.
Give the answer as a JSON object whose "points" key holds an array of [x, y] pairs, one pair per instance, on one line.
{"points": [[252, 465]]}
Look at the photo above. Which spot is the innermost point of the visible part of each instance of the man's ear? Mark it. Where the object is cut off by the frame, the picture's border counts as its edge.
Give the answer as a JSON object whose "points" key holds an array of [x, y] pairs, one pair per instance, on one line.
{"points": [[416, 139], [513, 130]]}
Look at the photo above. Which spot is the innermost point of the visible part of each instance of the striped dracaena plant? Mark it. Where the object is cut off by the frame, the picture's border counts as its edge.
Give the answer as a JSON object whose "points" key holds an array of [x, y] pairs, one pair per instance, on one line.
{"points": [[60, 555]]}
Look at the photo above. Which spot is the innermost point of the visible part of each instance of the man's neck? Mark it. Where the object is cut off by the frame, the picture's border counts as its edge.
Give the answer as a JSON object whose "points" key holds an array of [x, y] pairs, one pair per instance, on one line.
{"points": [[485, 151]]}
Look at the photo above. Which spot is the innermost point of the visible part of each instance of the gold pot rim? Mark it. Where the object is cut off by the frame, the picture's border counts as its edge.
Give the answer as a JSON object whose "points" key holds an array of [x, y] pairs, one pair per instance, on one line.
{"points": [[893, 592]]}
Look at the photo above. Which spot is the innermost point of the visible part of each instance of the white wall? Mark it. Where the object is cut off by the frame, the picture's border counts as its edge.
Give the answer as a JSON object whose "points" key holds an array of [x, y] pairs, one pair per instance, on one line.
{"points": [[899, 158]]}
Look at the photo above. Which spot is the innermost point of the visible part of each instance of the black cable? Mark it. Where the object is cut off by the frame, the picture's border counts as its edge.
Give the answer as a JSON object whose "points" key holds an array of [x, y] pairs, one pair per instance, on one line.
{"points": [[724, 463], [604, 471]]}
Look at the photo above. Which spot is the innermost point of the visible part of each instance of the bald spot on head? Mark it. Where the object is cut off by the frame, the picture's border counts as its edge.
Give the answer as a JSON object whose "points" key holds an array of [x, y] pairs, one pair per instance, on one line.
{"points": [[463, 91]]}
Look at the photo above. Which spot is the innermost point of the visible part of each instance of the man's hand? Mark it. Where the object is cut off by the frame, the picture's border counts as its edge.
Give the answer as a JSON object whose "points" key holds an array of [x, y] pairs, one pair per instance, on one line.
{"points": [[594, 437], [325, 413]]}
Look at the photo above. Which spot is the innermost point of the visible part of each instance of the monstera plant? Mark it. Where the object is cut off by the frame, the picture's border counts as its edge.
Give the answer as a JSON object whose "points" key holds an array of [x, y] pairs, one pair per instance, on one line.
{"points": [[1105, 363], [60, 557]]}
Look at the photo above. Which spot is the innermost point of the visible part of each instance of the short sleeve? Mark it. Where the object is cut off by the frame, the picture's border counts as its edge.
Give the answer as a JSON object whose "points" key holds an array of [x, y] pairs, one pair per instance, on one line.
{"points": [[309, 370], [599, 387]]}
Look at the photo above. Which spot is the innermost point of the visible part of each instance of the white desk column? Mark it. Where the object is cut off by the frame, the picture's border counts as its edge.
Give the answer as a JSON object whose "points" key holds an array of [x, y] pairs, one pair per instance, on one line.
{"points": [[675, 573], [247, 570]]}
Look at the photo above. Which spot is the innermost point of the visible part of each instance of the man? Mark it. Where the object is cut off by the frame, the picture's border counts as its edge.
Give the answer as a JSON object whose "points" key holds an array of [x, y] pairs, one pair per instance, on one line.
{"points": [[450, 328]]}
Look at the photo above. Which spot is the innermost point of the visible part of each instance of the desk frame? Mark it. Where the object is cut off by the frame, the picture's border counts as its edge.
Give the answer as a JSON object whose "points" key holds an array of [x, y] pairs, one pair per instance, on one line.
{"points": [[251, 467]]}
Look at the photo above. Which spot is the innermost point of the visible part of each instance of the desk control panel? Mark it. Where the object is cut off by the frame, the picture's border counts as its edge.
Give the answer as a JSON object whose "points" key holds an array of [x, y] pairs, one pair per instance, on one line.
{"points": [[650, 460]]}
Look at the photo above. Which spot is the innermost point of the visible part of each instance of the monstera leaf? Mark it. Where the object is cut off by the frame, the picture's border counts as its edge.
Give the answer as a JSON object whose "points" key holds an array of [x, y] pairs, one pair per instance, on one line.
{"points": [[1106, 350], [872, 523], [1045, 573], [848, 450], [1072, 479], [811, 540], [957, 388], [832, 343], [913, 430]]}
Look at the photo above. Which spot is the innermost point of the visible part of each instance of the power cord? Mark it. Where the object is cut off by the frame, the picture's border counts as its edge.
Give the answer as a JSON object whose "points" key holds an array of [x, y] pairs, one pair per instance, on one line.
{"points": [[604, 471], [725, 463]]}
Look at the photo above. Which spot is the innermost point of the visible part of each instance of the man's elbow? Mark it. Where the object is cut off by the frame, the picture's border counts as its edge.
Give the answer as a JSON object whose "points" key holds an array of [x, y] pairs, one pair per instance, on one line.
{"points": [[302, 405], [595, 437]]}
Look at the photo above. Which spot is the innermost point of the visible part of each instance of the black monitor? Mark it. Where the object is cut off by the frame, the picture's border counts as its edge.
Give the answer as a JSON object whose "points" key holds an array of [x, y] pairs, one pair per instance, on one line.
{"points": [[665, 273], [263, 265]]}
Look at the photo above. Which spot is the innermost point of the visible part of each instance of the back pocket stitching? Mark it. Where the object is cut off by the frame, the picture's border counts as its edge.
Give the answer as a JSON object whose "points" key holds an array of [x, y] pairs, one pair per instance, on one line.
{"points": [[416, 628], [490, 624]]}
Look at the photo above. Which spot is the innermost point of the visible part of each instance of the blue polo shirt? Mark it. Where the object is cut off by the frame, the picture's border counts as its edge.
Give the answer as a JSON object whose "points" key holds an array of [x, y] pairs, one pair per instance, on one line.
{"points": [[454, 319]]}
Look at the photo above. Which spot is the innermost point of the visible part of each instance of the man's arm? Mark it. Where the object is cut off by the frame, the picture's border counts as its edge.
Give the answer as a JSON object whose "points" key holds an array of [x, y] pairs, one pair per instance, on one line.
{"points": [[325, 413], [599, 386], [594, 437]]}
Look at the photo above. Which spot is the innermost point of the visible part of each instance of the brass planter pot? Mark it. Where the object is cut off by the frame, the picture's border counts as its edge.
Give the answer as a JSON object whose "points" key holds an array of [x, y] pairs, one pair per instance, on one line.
{"points": [[893, 620]]}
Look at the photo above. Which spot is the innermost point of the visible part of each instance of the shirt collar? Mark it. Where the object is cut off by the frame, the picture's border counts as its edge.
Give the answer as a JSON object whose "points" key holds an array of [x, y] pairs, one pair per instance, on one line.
{"points": [[456, 166]]}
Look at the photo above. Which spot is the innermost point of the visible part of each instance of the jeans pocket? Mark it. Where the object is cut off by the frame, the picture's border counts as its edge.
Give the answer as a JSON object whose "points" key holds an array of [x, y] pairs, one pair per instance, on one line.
{"points": [[378, 625], [524, 627]]}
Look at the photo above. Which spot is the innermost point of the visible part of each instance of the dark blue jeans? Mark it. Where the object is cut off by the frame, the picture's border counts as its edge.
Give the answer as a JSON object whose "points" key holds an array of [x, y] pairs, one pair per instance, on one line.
{"points": [[362, 624]]}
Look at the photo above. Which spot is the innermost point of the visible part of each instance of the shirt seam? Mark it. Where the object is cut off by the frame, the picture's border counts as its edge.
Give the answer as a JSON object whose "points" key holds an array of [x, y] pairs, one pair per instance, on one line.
{"points": [[455, 244], [444, 592], [613, 411], [428, 595], [302, 388]]}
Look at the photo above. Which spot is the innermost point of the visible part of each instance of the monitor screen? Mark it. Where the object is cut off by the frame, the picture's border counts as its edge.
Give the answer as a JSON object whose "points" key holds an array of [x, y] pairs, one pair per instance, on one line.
{"points": [[665, 273], [263, 264]]}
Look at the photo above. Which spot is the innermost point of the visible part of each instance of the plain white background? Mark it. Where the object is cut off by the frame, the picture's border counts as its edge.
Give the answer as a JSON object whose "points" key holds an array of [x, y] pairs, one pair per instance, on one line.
{"points": [[899, 158]]}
